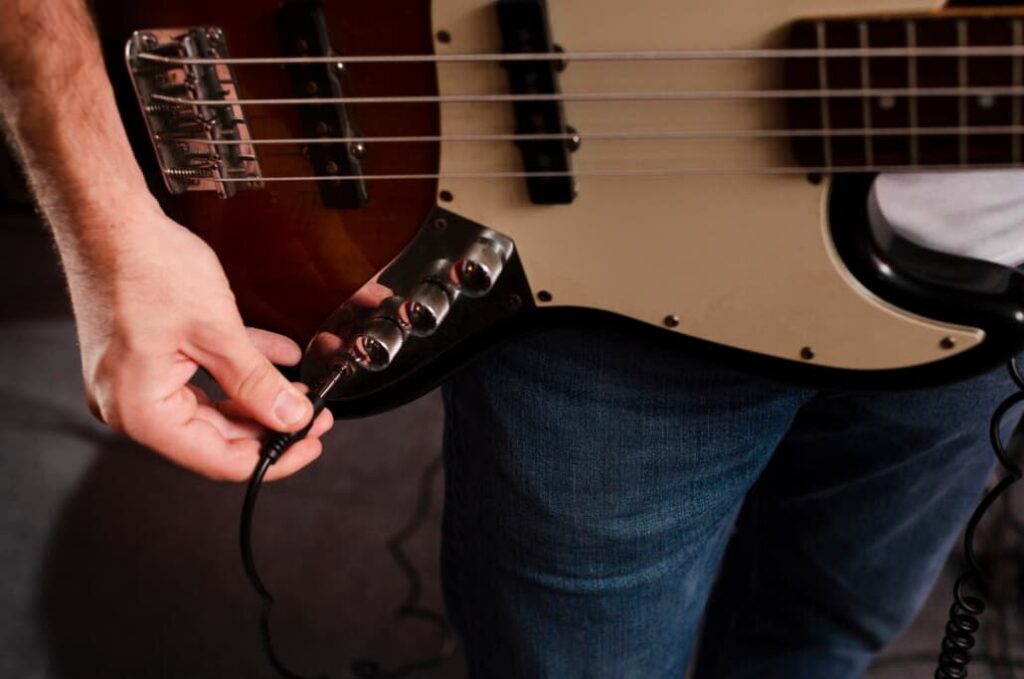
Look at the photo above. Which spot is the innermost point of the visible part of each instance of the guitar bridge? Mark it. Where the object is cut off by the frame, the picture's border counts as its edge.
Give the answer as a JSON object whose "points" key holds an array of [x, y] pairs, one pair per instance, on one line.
{"points": [[198, 145]]}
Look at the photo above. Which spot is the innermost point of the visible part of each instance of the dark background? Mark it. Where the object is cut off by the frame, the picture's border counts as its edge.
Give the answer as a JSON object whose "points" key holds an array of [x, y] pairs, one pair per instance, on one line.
{"points": [[115, 564]]}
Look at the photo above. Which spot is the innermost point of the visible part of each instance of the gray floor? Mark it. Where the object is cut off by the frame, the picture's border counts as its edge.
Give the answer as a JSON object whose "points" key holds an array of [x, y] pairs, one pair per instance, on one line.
{"points": [[115, 564]]}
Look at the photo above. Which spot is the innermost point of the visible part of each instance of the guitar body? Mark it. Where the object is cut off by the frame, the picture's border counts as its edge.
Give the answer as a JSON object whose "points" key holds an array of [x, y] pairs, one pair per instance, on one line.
{"points": [[780, 271]]}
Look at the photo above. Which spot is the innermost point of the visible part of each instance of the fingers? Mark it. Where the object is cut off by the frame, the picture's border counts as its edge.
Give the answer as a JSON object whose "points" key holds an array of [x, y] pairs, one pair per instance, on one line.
{"points": [[372, 294], [218, 445], [249, 378], [199, 447], [232, 422], [277, 348], [298, 457]]}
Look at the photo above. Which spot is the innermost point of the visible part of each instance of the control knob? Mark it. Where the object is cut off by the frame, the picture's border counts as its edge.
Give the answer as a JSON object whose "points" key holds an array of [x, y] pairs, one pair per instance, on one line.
{"points": [[376, 347], [427, 307], [479, 268]]}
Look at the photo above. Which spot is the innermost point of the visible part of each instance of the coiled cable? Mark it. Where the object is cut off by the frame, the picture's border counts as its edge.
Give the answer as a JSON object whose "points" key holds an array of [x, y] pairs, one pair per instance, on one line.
{"points": [[965, 612]]}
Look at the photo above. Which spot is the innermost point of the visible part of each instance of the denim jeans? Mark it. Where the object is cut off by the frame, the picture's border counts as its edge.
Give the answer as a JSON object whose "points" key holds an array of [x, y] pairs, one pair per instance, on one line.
{"points": [[607, 498]]}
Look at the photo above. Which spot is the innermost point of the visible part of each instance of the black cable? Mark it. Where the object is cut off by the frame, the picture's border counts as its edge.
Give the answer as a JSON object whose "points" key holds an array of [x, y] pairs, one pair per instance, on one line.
{"points": [[965, 612], [266, 598], [272, 450], [410, 607]]}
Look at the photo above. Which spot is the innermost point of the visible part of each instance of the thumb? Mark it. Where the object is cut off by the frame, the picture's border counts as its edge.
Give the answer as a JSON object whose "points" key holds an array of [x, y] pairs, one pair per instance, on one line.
{"points": [[252, 381]]}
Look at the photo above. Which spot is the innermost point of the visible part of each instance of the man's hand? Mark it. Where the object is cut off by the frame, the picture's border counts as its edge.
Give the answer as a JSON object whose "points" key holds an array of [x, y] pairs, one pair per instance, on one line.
{"points": [[148, 318], [151, 301]]}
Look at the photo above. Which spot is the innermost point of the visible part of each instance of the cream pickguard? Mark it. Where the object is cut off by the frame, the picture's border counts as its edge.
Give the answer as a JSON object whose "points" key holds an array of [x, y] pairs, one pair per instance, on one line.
{"points": [[743, 260]]}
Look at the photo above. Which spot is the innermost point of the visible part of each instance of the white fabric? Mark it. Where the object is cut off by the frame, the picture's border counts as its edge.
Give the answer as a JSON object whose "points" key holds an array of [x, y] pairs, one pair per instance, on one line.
{"points": [[978, 214]]}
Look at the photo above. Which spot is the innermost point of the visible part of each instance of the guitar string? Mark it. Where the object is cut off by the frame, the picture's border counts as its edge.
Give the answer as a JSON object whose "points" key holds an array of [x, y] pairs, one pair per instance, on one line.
{"points": [[623, 172], [994, 130], [693, 95], [566, 57], [916, 52]]}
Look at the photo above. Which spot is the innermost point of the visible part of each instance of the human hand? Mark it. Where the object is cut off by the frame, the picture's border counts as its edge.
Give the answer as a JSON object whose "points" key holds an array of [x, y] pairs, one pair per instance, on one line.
{"points": [[149, 314]]}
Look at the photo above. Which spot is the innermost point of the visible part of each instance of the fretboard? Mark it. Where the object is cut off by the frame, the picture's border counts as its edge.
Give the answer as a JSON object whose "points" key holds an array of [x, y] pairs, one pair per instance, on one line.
{"points": [[944, 90]]}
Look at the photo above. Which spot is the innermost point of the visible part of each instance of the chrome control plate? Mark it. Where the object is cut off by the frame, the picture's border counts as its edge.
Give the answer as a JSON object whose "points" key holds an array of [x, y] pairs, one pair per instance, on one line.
{"points": [[196, 145], [455, 280]]}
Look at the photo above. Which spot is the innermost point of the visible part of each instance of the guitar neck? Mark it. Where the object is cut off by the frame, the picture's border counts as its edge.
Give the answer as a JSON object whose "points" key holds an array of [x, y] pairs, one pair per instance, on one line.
{"points": [[942, 90]]}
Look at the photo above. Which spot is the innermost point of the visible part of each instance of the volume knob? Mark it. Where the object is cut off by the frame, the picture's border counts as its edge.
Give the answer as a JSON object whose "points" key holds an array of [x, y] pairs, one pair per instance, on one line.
{"points": [[479, 268], [426, 309], [378, 345]]}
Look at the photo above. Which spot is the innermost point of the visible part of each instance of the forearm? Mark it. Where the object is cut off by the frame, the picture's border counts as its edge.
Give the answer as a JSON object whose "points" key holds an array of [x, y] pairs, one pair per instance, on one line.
{"points": [[59, 107]]}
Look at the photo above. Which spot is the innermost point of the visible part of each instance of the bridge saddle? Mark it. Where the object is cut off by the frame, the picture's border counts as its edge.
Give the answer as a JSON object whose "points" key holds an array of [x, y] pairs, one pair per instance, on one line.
{"points": [[198, 145]]}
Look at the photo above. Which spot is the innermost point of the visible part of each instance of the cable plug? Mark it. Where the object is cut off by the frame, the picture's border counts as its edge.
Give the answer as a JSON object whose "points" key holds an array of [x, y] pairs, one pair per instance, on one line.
{"points": [[278, 444]]}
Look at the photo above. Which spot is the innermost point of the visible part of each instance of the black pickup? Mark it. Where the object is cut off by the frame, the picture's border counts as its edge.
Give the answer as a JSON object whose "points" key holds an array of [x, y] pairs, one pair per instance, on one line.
{"points": [[303, 32], [525, 30]]}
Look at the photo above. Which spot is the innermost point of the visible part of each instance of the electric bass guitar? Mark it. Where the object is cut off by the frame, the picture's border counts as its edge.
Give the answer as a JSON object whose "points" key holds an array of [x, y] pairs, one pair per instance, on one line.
{"points": [[398, 184]]}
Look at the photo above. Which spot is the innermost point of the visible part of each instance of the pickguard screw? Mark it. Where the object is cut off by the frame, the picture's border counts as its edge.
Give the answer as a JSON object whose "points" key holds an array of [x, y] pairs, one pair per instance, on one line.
{"points": [[561, 64], [815, 178], [545, 296], [807, 354], [515, 302], [358, 150], [331, 167], [339, 68], [446, 196], [444, 37], [440, 224], [672, 321], [947, 343], [574, 141]]}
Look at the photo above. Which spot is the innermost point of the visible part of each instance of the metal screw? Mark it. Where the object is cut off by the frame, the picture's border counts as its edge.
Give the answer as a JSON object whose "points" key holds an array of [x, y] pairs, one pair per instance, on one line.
{"points": [[339, 68], [672, 321], [948, 343], [574, 141], [561, 64], [545, 296], [807, 354], [358, 150], [515, 302], [444, 36], [440, 223], [312, 88], [149, 41], [446, 196], [331, 167], [215, 35]]}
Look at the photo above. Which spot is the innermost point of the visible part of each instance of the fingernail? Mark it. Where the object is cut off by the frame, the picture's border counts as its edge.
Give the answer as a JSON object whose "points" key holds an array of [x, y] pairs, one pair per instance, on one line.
{"points": [[290, 407]]}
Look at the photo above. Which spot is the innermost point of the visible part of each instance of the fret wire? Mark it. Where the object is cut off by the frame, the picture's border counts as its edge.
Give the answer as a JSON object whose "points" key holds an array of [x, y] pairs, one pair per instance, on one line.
{"points": [[962, 78], [911, 27], [826, 141], [865, 81], [1018, 81]]}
